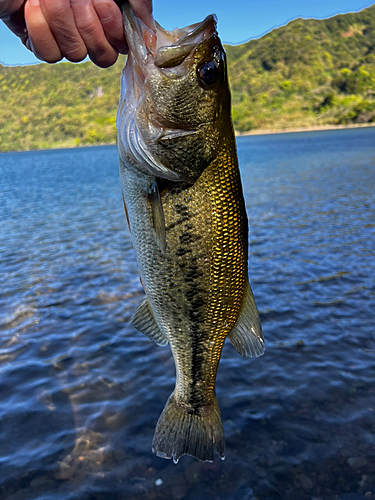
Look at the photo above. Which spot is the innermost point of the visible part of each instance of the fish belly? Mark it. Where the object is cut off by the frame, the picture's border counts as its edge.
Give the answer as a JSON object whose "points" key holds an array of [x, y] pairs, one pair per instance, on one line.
{"points": [[195, 291]]}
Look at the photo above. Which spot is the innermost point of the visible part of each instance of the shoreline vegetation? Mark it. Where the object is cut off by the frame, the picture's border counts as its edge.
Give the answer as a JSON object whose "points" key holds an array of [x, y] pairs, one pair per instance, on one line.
{"points": [[72, 145], [321, 128], [308, 75]]}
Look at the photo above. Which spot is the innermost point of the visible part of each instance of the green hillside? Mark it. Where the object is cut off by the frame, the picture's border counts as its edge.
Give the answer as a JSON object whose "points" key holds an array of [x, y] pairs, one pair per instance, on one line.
{"points": [[64, 104], [308, 73]]}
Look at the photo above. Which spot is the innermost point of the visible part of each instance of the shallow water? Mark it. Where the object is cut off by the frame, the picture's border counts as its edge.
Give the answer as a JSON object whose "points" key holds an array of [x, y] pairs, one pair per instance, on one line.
{"points": [[81, 391]]}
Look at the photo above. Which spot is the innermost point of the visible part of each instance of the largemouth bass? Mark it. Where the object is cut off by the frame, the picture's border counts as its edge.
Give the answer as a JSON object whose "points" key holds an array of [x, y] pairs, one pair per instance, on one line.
{"points": [[184, 204]]}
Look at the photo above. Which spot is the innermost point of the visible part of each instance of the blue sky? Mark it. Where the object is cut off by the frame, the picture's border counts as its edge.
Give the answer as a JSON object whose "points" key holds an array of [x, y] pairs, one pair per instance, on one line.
{"points": [[239, 20]]}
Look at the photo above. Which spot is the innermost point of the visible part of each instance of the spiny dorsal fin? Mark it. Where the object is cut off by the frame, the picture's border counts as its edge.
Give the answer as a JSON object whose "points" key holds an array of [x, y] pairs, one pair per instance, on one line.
{"points": [[247, 336], [144, 321], [157, 216]]}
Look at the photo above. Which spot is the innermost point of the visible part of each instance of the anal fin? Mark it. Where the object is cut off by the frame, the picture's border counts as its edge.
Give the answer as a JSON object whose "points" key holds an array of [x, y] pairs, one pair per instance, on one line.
{"points": [[247, 336], [144, 321]]}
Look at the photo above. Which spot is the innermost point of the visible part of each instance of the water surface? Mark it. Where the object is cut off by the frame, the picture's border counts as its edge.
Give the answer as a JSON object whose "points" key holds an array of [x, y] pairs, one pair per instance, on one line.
{"points": [[81, 390]]}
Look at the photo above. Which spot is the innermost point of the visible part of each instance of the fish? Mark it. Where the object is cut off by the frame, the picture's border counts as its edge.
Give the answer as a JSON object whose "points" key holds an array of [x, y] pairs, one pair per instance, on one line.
{"points": [[185, 208]]}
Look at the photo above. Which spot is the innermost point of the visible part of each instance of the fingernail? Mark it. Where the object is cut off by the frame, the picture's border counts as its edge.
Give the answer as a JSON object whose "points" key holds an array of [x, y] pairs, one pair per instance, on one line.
{"points": [[34, 3], [29, 44], [104, 11]]}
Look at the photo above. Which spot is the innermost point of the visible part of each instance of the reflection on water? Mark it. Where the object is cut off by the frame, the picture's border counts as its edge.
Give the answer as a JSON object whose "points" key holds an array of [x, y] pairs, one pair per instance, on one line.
{"points": [[81, 391]]}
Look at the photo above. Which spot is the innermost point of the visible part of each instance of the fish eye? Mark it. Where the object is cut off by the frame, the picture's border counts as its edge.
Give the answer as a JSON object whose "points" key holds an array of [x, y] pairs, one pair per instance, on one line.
{"points": [[208, 72]]}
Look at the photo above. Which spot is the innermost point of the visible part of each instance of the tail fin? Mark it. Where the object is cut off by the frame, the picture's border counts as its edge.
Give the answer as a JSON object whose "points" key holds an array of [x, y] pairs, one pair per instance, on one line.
{"points": [[179, 432]]}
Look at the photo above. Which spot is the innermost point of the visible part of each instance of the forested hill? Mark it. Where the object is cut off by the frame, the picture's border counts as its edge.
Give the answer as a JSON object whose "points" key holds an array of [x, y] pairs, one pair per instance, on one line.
{"points": [[308, 73]]}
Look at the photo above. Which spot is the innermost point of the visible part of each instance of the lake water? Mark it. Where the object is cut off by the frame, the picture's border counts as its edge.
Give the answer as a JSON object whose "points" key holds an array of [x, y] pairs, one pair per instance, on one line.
{"points": [[81, 390]]}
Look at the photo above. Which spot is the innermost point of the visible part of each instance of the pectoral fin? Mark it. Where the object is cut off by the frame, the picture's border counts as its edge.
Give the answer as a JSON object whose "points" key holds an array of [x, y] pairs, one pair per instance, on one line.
{"points": [[157, 217], [126, 213], [144, 322], [171, 138], [247, 335], [134, 145]]}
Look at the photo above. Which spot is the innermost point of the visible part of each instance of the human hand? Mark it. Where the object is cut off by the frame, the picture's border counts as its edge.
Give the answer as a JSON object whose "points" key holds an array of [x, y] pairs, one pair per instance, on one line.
{"points": [[73, 29]]}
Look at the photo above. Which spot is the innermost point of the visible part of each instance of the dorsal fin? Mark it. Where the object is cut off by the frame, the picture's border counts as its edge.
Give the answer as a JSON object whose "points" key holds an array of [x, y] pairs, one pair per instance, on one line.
{"points": [[144, 321], [247, 336]]}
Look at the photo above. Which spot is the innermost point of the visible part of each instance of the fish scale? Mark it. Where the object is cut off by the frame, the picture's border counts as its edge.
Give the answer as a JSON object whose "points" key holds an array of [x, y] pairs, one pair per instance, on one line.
{"points": [[183, 196]]}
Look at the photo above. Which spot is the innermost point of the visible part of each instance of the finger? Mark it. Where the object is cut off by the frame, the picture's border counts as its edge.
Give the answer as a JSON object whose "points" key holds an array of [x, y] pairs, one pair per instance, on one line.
{"points": [[60, 19], [112, 24], [10, 7], [143, 10], [43, 43], [90, 29], [16, 23]]}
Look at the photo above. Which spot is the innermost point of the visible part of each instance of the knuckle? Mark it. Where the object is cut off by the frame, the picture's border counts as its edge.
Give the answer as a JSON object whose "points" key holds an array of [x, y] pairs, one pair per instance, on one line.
{"points": [[105, 61], [53, 59], [75, 57], [56, 9], [88, 29], [75, 52]]}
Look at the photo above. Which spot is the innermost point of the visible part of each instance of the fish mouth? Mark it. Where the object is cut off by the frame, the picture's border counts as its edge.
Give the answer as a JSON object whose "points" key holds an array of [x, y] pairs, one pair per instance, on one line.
{"points": [[142, 127], [160, 47], [186, 39]]}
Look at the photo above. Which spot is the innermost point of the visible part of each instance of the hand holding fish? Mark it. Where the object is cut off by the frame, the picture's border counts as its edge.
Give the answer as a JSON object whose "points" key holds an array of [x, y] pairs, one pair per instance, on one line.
{"points": [[73, 29]]}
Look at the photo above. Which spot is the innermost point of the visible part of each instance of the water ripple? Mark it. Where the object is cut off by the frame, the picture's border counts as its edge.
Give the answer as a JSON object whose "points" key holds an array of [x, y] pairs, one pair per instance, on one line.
{"points": [[82, 391]]}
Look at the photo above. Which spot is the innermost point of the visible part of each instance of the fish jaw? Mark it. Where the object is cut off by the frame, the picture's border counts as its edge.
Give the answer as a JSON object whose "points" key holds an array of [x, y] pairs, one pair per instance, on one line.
{"points": [[152, 45], [147, 127]]}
